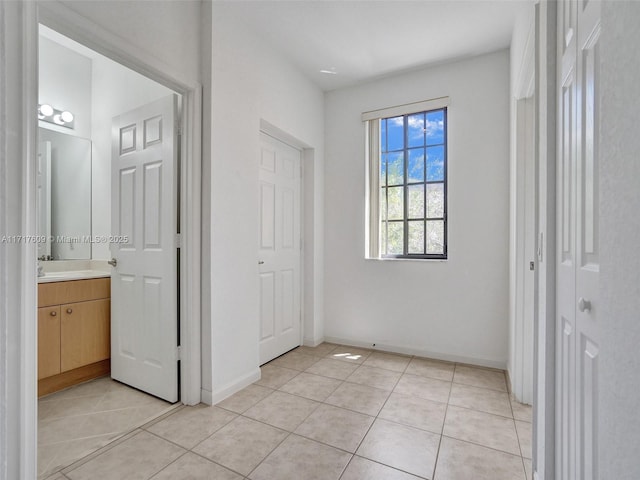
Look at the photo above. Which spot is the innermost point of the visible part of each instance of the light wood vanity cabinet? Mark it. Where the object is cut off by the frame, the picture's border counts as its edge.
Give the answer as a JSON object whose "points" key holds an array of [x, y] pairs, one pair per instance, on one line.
{"points": [[74, 321]]}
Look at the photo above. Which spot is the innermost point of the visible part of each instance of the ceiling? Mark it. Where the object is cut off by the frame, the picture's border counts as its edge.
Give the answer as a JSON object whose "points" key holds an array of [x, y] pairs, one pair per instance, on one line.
{"points": [[362, 40]]}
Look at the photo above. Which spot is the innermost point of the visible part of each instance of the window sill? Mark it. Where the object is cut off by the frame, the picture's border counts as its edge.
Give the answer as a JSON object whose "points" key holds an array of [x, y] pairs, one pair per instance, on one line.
{"points": [[419, 260]]}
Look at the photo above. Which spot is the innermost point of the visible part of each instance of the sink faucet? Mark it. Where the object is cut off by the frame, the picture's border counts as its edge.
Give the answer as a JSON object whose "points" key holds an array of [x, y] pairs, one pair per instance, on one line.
{"points": [[40, 269]]}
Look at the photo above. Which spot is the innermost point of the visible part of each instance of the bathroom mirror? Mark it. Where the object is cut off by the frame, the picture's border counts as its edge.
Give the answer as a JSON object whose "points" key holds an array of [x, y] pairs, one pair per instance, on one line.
{"points": [[64, 196]]}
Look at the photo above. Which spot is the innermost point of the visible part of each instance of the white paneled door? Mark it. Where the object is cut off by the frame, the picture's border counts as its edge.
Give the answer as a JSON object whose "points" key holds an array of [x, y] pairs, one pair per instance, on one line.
{"points": [[279, 248], [144, 311], [577, 348]]}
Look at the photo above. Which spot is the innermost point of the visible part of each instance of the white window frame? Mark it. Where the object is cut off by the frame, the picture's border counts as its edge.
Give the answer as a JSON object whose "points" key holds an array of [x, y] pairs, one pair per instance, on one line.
{"points": [[371, 120]]}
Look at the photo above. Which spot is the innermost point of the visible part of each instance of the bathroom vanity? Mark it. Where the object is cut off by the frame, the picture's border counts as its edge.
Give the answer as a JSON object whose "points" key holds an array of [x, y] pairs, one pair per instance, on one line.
{"points": [[74, 316]]}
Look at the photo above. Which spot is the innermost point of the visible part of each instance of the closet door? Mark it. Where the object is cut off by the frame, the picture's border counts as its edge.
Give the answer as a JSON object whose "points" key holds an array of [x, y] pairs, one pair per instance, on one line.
{"points": [[577, 339]]}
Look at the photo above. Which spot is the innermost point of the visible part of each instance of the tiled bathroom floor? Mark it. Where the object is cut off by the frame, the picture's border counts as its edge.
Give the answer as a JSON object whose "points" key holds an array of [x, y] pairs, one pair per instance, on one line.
{"points": [[79, 420], [334, 412]]}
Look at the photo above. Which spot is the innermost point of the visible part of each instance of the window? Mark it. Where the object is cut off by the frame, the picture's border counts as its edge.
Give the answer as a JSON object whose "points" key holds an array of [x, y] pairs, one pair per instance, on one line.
{"points": [[408, 181]]}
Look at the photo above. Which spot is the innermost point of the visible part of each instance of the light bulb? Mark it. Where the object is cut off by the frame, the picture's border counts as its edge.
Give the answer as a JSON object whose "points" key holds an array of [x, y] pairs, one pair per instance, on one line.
{"points": [[66, 116], [58, 120], [46, 110]]}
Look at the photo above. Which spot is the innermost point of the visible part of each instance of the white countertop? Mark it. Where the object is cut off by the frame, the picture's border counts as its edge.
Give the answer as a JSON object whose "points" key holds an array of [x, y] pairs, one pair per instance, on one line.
{"points": [[64, 270], [72, 275]]}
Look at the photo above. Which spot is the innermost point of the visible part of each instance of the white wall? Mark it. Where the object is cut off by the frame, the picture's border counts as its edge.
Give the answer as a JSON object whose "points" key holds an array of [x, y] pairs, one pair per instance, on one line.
{"points": [[454, 309], [619, 380], [250, 83], [166, 30], [116, 90]]}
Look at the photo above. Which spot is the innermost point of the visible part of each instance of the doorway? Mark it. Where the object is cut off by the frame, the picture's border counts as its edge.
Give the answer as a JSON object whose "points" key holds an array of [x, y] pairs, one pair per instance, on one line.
{"points": [[113, 90]]}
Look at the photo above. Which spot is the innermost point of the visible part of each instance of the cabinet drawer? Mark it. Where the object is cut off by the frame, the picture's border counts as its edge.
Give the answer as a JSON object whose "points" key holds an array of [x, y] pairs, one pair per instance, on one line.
{"points": [[57, 293], [48, 341], [85, 333]]}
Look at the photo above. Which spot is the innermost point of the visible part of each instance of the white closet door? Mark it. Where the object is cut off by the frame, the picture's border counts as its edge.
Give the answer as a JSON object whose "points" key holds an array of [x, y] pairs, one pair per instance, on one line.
{"points": [[577, 347], [279, 248]]}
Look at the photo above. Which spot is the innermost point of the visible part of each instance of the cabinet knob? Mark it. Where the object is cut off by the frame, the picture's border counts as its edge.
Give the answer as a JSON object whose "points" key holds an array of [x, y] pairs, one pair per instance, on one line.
{"points": [[54, 313], [69, 310]]}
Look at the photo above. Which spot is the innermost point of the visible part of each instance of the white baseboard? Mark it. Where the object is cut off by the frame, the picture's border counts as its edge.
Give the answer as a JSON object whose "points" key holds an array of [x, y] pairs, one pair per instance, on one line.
{"points": [[419, 352], [509, 385], [310, 342], [211, 398], [206, 397]]}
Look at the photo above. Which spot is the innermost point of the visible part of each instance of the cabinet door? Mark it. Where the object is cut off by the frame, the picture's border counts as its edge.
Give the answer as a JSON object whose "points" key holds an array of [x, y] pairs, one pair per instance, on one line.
{"points": [[48, 341], [85, 333]]}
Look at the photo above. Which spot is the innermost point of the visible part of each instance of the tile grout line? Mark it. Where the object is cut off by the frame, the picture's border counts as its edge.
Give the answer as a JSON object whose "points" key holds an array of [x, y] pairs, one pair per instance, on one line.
{"points": [[483, 446], [515, 426], [289, 433], [520, 447], [80, 462], [444, 421], [376, 417], [150, 477], [190, 450]]}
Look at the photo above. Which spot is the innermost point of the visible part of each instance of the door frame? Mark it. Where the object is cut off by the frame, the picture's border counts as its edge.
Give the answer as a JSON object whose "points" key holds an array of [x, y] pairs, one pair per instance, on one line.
{"points": [[523, 218], [66, 21], [524, 281], [544, 424]]}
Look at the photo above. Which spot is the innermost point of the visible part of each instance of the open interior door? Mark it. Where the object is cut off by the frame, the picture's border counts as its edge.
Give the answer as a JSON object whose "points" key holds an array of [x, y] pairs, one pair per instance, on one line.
{"points": [[144, 305]]}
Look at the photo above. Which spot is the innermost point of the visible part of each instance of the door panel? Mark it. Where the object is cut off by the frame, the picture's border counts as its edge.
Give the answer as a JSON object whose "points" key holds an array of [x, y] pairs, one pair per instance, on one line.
{"points": [[566, 316], [48, 341], [144, 217], [587, 255], [267, 305], [84, 333], [279, 248]]}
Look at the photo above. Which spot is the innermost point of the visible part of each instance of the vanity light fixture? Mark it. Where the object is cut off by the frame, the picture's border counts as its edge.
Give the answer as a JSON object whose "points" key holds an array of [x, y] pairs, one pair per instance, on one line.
{"points": [[66, 116], [45, 110], [63, 118]]}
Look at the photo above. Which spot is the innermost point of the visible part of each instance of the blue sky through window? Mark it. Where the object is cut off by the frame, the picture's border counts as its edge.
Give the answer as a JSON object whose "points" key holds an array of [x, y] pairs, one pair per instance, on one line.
{"points": [[395, 133]]}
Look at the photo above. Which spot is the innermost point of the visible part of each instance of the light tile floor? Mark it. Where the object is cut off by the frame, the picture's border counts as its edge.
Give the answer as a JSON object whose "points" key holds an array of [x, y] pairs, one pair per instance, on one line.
{"points": [[330, 413], [77, 421]]}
